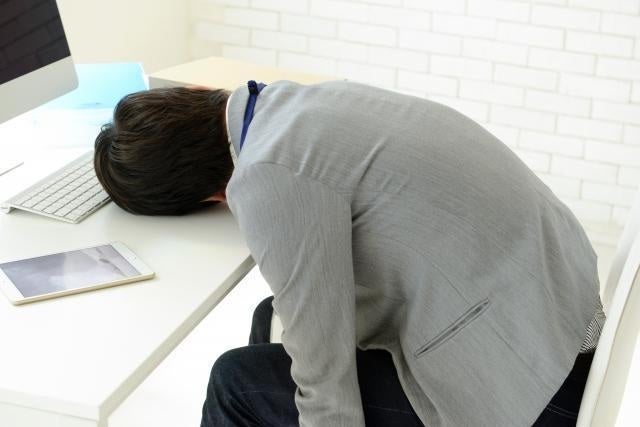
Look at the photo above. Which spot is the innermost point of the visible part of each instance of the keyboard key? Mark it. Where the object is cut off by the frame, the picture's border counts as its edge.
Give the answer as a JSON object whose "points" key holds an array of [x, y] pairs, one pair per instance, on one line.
{"points": [[94, 190], [64, 211], [75, 193], [73, 215], [98, 198], [86, 206], [75, 203], [51, 209], [40, 206], [22, 200]]}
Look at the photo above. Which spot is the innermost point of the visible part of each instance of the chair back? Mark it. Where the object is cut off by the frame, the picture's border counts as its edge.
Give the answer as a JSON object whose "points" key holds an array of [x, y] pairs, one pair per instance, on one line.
{"points": [[629, 235], [612, 361]]}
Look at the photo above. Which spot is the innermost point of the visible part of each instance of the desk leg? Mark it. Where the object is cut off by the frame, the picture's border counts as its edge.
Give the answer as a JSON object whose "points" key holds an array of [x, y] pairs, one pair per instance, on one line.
{"points": [[20, 416]]}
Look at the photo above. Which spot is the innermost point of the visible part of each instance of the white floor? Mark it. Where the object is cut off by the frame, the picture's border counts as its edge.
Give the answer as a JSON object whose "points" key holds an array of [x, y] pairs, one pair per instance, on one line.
{"points": [[172, 396]]}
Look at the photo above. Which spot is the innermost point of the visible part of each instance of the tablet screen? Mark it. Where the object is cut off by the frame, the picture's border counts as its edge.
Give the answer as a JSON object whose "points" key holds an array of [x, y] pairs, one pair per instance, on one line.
{"points": [[68, 270]]}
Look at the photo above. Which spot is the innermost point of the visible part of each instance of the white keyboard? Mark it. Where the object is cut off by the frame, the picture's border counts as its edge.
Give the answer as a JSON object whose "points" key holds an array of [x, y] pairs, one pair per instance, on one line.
{"points": [[69, 194]]}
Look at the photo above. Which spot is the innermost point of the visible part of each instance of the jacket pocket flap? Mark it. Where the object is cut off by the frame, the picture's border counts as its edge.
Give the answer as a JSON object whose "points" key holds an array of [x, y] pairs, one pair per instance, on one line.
{"points": [[455, 327]]}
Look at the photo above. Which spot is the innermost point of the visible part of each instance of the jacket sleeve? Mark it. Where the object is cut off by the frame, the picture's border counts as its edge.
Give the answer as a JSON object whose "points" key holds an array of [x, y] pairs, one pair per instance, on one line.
{"points": [[299, 233]]}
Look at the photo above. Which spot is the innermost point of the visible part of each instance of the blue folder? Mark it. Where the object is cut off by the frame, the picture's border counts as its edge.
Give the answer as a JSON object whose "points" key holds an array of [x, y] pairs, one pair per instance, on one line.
{"points": [[101, 86]]}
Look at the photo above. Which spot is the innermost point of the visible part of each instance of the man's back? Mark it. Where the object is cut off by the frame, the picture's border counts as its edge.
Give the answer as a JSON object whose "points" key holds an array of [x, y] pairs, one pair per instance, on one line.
{"points": [[458, 260]]}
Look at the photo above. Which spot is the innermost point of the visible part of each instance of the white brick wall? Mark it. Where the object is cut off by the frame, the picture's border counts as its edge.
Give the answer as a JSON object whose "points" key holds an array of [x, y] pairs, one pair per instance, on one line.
{"points": [[250, 18], [399, 17], [529, 35], [565, 17], [594, 87], [599, 44], [501, 9], [337, 49], [561, 61], [525, 77], [293, 24], [276, 39], [370, 34], [632, 135], [552, 144], [429, 42], [427, 83], [557, 80], [628, 25]]}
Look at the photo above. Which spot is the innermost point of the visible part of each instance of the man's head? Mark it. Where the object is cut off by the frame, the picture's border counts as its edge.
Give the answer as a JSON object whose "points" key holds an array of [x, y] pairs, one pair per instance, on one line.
{"points": [[166, 150]]}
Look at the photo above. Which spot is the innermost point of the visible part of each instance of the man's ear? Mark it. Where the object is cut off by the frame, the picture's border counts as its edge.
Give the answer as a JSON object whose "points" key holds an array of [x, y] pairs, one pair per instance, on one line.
{"points": [[219, 196]]}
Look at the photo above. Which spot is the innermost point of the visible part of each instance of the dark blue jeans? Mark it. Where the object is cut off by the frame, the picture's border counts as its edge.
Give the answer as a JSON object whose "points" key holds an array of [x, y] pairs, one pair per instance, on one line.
{"points": [[252, 386]]}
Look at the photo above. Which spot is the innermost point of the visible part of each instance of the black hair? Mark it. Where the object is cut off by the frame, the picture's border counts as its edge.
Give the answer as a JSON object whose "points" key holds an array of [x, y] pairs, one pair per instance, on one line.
{"points": [[166, 150]]}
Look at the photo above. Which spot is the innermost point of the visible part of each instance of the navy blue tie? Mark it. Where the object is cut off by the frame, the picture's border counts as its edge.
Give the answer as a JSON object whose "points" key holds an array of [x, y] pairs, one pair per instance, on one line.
{"points": [[254, 90]]}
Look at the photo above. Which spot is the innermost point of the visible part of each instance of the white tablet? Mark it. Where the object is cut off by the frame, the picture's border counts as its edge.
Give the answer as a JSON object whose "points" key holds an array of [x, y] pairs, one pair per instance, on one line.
{"points": [[66, 273]]}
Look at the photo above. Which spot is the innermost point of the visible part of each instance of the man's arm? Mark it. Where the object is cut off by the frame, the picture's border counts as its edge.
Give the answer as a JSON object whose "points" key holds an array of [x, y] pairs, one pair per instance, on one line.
{"points": [[299, 232]]}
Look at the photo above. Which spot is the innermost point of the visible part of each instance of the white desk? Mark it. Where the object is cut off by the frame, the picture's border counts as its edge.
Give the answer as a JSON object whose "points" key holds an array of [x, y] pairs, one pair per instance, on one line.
{"points": [[69, 362]]}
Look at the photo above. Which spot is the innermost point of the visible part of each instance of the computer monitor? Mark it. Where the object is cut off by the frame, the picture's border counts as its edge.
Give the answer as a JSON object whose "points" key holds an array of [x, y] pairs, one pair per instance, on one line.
{"points": [[35, 61]]}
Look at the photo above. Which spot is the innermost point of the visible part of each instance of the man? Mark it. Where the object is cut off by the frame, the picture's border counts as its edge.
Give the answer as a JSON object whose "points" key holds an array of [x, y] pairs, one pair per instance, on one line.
{"points": [[422, 273]]}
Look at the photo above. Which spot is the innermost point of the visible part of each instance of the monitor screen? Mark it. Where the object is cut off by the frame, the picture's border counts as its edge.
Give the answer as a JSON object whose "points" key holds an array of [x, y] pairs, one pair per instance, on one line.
{"points": [[35, 60], [31, 37]]}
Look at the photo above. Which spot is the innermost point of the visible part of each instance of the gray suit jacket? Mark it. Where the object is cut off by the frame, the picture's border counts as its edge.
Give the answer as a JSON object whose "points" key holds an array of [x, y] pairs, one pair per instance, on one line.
{"points": [[387, 221]]}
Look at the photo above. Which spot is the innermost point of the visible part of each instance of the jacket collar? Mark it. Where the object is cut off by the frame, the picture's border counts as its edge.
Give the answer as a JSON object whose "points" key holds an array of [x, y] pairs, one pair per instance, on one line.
{"points": [[235, 114]]}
